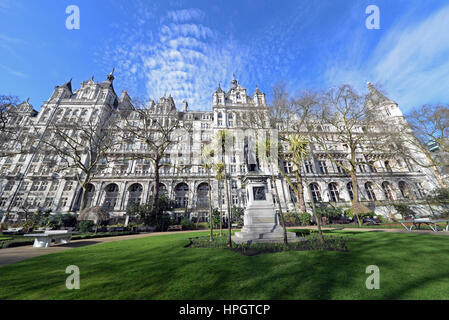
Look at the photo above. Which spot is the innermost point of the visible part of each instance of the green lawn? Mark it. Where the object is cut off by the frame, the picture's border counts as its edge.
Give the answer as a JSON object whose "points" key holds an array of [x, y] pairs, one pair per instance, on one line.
{"points": [[412, 266]]}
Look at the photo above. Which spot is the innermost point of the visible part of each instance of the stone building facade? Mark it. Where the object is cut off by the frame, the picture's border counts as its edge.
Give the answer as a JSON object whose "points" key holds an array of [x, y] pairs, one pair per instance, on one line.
{"points": [[30, 181]]}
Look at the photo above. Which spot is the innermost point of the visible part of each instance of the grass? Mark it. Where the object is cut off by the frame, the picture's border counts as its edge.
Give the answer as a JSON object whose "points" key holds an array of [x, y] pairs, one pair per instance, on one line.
{"points": [[412, 266], [390, 225], [20, 240]]}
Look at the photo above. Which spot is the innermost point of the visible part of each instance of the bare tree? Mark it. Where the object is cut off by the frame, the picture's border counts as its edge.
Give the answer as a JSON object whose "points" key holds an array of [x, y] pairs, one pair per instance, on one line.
{"points": [[349, 132], [80, 148], [9, 133], [156, 127], [427, 126]]}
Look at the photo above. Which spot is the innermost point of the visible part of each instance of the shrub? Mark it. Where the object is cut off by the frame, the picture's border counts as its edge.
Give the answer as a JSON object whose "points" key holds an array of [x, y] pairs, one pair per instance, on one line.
{"points": [[85, 226], [291, 219], [403, 210], [187, 224], [237, 214], [329, 212], [349, 213], [305, 218]]}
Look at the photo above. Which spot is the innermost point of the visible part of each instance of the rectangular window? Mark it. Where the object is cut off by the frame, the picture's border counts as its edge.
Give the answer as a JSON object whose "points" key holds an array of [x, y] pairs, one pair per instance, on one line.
{"points": [[309, 166], [323, 167]]}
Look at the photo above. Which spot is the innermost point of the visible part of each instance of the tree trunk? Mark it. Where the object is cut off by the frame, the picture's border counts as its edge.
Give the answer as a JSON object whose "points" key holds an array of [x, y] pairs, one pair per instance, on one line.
{"points": [[221, 209], [229, 210], [83, 197], [155, 202], [318, 219], [281, 214], [298, 190], [356, 206], [211, 222]]}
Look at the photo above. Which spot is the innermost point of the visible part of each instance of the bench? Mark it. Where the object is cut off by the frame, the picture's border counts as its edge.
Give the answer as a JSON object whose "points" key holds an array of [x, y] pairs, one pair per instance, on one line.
{"points": [[43, 240], [12, 230], [175, 228], [433, 224]]}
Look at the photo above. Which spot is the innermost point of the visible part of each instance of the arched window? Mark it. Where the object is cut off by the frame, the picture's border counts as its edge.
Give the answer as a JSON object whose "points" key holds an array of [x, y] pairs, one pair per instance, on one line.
{"points": [[90, 194], [405, 191], [292, 194], [220, 116], [203, 195], [162, 188], [333, 192], [350, 190], [316, 194], [387, 166], [135, 194], [388, 192], [181, 195], [370, 191], [111, 196]]}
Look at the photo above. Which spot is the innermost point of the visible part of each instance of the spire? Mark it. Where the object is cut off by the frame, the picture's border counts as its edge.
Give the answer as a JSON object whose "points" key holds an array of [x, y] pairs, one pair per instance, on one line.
{"points": [[110, 76], [219, 90], [234, 82], [67, 85], [375, 95]]}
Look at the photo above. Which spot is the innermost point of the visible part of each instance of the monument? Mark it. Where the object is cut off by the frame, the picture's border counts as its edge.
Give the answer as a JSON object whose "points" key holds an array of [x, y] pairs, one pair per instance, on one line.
{"points": [[260, 221]]}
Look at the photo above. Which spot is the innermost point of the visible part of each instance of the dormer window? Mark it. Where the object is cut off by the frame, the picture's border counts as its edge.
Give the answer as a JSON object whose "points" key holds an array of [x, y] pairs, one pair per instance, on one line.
{"points": [[237, 95], [220, 116]]}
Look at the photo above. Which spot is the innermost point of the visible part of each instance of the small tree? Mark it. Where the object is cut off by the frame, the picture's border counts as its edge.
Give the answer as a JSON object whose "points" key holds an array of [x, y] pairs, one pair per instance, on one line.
{"points": [[426, 126], [9, 133], [351, 122], [79, 147], [142, 123]]}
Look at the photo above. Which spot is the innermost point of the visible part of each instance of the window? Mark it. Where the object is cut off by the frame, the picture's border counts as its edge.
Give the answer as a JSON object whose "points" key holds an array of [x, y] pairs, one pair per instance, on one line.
{"points": [[43, 186], [323, 167], [372, 167], [3, 201], [316, 195], [339, 166], [24, 186], [361, 166], [63, 202], [287, 167], [35, 185], [309, 166], [387, 166], [333, 192], [234, 184], [350, 191], [403, 187], [388, 192], [369, 191], [420, 190], [135, 194], [68, 186]]}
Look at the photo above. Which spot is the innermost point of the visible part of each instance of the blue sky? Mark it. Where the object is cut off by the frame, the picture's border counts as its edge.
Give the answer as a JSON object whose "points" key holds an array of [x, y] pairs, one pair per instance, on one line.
{"points": [[185, 48]]}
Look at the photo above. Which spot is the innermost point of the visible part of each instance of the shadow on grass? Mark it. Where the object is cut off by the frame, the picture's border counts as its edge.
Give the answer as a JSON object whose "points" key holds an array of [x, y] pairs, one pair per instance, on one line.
{"points": [[160, 268]]}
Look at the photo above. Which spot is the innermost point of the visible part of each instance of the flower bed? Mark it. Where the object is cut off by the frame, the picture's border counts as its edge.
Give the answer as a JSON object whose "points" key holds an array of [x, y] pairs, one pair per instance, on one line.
{"points": [[311, 242]]}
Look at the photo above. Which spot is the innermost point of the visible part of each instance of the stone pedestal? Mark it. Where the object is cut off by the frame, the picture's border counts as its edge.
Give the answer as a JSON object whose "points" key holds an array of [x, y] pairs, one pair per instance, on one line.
{"points": [[261, 223]]}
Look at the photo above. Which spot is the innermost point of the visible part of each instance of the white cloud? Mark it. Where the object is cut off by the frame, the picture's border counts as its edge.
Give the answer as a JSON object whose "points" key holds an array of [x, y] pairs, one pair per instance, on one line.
{"points": [[186, 59], [410, 61]]}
